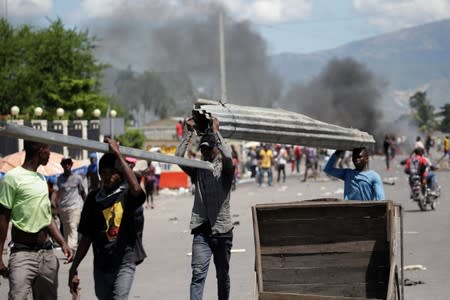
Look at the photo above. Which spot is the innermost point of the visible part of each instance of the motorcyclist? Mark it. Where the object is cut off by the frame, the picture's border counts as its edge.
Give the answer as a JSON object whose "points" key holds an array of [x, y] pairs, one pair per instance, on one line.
{"points": [[418, 164]]}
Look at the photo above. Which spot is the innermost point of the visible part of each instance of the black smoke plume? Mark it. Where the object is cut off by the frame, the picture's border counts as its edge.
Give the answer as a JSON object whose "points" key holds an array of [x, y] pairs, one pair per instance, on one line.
{"points": [[189, 45], [345, 93]]}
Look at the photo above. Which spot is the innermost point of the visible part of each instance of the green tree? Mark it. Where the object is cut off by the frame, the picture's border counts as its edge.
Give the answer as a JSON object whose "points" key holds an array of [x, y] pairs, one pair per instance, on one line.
{"points": [[49, 67], [445, 123], [422, 112], [133, 138]]}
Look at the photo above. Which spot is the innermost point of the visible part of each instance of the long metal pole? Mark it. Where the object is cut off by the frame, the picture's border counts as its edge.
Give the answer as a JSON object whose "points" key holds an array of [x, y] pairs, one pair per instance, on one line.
{"points": [[53, 138], [223, 72]]}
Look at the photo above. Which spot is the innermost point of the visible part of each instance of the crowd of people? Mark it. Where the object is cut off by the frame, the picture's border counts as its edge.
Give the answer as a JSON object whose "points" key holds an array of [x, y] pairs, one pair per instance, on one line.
{"points": [[107, 215], [103, 210], [264, 160]]}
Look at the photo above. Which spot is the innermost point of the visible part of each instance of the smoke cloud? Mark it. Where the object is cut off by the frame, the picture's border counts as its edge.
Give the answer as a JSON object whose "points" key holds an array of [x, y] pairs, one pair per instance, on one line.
{"points": [[345, 93], [190, 46]]}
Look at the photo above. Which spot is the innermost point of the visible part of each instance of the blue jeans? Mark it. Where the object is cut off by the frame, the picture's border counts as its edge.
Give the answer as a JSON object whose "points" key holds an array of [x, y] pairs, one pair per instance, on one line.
{"points": [[431, 181], [261, 172], [116, 284], [203, 246]]}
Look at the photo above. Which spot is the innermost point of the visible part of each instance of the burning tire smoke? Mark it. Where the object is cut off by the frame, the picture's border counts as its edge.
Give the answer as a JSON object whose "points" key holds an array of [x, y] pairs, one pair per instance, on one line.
{"points": [[345, 93]]}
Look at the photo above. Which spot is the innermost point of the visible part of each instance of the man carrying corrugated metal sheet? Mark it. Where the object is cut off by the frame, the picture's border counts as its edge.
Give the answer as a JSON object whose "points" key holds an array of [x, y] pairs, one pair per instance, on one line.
{"points": [[359, 183], [211, 224]]}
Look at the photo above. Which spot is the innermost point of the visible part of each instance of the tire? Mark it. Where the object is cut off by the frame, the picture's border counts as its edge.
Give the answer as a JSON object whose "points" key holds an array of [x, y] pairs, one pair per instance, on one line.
{"points": [[422, 201], [433, 204]]}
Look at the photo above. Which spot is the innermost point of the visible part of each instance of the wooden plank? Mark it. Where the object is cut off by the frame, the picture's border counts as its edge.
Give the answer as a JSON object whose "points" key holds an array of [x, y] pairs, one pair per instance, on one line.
{"points": [[317, 211], [332, 202], [258, 267], [290, 296], [332, 259], [354, 291], [330, 275], [357, 246], [319, 231], [333, 249]]}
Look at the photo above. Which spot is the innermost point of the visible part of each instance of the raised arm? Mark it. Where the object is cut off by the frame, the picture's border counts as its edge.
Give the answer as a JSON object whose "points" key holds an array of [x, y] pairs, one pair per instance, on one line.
{"points": [[330, 167], [135, 188], [184, 143], [224, 148]]}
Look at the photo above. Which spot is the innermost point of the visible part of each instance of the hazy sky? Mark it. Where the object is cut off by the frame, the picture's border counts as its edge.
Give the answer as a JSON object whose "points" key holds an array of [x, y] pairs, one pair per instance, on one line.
{"points": [[287, 25]]}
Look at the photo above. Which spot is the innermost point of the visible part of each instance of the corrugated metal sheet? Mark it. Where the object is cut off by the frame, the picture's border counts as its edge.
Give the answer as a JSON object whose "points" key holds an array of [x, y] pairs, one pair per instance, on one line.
{"points": [[278, 126]]}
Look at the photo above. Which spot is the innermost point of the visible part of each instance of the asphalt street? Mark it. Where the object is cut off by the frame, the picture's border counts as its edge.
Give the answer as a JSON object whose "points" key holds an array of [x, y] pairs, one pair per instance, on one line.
{"points": [[165, 274]]}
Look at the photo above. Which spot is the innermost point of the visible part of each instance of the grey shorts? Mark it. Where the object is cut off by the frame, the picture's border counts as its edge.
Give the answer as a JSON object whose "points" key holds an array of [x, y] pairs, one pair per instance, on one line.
{"points": [[33, 270]]}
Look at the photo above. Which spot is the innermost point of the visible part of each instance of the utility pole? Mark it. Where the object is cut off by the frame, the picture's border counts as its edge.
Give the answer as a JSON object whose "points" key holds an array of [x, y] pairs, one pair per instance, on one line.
{"points": [[223, 73], [6, 10]]}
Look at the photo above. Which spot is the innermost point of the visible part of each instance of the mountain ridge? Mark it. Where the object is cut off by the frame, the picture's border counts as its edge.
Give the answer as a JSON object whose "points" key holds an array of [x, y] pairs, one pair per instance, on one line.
{"points": [[407, 59]]}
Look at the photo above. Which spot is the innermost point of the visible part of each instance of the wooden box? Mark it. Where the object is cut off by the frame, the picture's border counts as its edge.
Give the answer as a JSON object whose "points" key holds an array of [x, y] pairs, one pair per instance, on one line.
{"points": [[327, 249]]}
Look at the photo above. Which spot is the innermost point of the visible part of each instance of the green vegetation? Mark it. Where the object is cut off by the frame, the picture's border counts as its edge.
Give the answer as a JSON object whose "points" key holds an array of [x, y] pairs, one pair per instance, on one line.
{"points": [[49, 67], [445, 124], [133, 138], [422, 112]]}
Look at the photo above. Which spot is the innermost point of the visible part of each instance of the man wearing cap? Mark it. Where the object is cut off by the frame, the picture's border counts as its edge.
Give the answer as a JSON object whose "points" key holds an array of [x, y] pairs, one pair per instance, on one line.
{"points": [[210, 224], [109, 222], [68, 195]]}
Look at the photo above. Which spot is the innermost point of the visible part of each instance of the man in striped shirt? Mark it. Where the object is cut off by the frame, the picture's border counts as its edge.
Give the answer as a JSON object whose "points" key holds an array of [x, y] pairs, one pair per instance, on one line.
{"points": [[211, 224]]}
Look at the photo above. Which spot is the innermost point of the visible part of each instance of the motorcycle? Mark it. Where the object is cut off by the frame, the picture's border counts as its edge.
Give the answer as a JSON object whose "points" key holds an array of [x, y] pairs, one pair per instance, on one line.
{"points": [[422, 194]]}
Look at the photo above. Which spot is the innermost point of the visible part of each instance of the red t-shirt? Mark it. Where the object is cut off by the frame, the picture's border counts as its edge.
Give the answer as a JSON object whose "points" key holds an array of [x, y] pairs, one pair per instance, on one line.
{"points": [[179, 129]]}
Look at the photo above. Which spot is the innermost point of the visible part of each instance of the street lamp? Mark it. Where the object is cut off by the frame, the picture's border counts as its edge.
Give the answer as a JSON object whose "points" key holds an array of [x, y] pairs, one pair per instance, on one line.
{"points": [[15, 110], [79, 113], [38, 111], [113, 113], [59, 112], [96, 113]]}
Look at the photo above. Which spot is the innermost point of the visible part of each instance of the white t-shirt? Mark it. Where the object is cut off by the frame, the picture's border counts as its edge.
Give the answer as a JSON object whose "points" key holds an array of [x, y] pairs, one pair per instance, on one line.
{"points": [[282, 157], [157, 167]]}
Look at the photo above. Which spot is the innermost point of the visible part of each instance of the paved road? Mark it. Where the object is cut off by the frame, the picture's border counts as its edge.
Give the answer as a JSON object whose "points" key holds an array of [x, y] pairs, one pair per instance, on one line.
{"points": [[165, 274]]}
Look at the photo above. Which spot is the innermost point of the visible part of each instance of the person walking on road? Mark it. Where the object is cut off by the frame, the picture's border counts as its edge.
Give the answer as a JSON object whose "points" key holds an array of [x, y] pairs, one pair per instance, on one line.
{"points": [[297, 157], [311, 162], [387, 150], [69, 195], [282, 159], [24, 201], [179, 129], [446, 149], [92, 174], [265, 165], [360, 183], [149, 178], [211, 224], [110, 223]]}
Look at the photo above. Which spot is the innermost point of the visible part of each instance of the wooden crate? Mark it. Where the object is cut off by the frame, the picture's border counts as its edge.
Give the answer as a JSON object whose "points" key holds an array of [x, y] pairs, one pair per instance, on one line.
{"points": [[328, 249]]}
